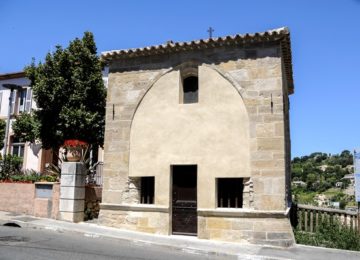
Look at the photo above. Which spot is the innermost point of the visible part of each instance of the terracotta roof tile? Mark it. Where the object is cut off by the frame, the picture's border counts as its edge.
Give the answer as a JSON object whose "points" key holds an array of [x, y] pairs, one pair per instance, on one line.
{"points": [[281, 34]]}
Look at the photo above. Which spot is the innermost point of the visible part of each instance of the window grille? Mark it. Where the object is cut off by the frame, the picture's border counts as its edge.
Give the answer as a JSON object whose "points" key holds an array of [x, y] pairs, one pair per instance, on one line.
{"points": [[147, 190], [230, 192]]}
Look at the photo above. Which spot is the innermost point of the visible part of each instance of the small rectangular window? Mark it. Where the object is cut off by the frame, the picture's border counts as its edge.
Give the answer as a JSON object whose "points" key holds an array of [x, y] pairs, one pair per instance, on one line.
{"points": [[147, 190], [22, 100], [17, 147], [230, 192], [190, 90]]}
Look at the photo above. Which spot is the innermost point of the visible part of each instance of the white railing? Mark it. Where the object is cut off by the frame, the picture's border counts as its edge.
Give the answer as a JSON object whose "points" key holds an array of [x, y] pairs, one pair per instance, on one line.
{"points": [[310, 217]]}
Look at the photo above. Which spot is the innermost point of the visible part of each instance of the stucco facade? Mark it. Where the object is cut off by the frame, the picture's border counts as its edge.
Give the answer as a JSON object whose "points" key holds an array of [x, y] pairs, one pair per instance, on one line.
{"points": [[34, 158], [238, 128]]}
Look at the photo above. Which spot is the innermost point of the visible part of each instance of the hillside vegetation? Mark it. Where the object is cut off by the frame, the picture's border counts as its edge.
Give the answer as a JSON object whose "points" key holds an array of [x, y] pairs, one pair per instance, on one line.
{"points": [[318, 179]]}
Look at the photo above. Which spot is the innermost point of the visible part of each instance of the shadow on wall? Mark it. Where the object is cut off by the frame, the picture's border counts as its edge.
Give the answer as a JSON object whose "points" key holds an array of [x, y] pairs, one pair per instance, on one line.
{"points": [[35, 148], [92, 202]]}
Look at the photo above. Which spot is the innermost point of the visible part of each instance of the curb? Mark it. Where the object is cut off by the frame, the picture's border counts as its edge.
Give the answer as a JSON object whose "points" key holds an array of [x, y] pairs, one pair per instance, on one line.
{"points": [[191, 245], [137, 241]]}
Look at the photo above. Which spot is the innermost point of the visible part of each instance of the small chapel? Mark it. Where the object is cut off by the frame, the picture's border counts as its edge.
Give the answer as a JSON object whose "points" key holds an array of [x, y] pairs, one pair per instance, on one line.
{"points": [[197, 139]]}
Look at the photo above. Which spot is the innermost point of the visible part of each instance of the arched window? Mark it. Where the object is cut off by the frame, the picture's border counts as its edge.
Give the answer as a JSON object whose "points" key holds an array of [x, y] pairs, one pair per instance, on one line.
{"points": [[190, 89]]}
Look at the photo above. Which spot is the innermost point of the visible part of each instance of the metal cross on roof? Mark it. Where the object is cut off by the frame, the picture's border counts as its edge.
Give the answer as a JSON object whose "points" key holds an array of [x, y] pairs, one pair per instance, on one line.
{"points": [[210, 31]]}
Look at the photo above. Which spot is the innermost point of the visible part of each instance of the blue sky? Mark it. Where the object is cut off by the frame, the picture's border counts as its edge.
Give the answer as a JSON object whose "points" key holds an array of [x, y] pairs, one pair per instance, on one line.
{"points": [[325, 38]]}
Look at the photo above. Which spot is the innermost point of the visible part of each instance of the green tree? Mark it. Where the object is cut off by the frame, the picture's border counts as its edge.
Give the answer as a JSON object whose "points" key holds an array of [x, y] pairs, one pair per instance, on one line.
{"points": [[321, 172], [346, 158], [26, 127], [311, 179], [70, 94], [296, 172]]}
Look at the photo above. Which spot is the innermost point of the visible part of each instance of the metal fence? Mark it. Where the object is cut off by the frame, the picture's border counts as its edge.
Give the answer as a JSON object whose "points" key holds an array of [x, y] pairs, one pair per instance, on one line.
{"points": [[95, 176]]}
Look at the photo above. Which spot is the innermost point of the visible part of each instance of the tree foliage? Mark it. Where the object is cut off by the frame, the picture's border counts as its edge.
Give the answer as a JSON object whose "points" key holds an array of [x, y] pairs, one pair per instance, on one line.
{"points": [[330, 233], [70, 96], [10, 165], [320, 172], [320, 167], [26, 127]]}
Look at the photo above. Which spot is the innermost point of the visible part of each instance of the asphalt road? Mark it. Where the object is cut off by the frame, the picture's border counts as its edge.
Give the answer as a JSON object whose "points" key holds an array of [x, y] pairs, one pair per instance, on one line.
{"points": [[22, 243]]}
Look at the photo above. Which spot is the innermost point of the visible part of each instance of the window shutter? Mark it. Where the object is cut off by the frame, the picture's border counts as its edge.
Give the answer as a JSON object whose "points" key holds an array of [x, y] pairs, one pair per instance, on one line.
{"points": [[28, 100], [13, 100]]}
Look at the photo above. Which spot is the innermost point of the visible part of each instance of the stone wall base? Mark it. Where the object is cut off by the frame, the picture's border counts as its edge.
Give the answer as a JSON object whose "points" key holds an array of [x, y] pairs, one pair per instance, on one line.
{"points": [[149, 222], [276, 231], [265, 231], [72, 216]]}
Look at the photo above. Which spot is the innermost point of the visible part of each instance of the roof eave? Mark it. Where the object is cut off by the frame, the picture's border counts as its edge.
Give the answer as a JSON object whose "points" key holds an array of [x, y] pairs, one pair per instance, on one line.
{"points": [[281, 35], [12, 75]]}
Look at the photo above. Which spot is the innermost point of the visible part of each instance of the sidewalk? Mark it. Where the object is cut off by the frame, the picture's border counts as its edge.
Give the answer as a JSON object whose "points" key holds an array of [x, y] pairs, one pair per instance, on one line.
{"points": [[183, 243]]}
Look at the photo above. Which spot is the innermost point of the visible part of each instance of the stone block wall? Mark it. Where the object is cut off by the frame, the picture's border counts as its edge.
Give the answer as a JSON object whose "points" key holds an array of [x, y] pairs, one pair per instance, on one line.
{"points": [[132, 218], [260, 83], [123, 101], [267, 231], [72, 191]]}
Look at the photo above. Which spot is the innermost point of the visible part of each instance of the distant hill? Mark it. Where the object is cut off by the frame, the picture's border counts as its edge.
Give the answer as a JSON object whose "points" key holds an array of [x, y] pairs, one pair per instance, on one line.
{"points": [[317, 178]]}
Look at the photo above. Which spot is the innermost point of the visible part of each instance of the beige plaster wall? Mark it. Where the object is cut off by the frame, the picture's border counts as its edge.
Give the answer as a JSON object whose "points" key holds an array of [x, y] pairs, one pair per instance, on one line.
{"points": [[32, 156], [212, 134]]}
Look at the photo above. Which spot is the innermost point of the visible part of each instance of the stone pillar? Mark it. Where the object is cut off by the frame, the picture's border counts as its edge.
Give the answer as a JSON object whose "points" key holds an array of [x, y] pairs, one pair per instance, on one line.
{"points": [[72, 191]]}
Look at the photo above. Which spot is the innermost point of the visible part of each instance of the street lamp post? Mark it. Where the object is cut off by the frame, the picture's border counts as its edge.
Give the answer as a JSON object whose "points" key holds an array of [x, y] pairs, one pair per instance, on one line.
{"points": [[12, 87]]}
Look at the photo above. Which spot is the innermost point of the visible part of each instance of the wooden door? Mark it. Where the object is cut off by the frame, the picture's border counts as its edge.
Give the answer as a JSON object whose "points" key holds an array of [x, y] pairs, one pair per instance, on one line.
{"points": [[184, 200]]}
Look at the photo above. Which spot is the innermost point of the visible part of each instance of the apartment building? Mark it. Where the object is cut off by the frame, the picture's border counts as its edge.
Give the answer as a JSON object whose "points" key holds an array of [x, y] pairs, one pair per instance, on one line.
{"points": [[16, 96]]}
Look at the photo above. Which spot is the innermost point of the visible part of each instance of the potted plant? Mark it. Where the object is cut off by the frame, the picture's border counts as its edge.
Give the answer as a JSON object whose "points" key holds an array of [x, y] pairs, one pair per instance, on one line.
{"points": [[74, 149]]}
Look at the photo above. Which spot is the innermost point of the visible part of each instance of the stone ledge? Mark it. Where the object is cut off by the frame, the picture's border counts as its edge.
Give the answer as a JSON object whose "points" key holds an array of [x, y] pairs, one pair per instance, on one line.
{"points": [[134, 207], [241, 213]]}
